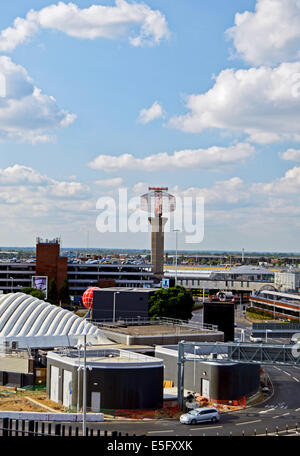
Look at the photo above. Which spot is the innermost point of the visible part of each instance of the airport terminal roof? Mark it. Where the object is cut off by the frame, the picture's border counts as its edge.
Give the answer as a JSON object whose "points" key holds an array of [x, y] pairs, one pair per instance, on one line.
{"points": [[34, 323]]}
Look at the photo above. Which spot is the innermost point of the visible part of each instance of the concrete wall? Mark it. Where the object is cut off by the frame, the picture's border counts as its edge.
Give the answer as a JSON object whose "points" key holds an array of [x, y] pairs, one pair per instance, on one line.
{"points": [[20, 365]]}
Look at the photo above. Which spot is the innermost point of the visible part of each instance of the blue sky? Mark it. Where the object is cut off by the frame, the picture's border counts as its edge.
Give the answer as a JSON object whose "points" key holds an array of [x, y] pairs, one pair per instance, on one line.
{"points": [[226, 102]]}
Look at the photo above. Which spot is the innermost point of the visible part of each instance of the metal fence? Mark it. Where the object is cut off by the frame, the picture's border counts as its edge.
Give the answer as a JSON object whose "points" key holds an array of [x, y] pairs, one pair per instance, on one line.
{"points": [[159, 321], [29, 428]]}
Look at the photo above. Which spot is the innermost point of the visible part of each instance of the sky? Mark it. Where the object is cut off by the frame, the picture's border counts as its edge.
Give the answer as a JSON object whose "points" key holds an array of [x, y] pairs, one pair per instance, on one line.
{"points": [[98, 98]]}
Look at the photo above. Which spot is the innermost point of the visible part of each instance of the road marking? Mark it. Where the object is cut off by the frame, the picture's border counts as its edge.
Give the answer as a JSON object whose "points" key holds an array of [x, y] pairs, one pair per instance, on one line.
{"points": [[296, 379], [297, 410], [287, 373], [156, 432], [200, 428], [247, 422], [266, 411], [279, 416]]}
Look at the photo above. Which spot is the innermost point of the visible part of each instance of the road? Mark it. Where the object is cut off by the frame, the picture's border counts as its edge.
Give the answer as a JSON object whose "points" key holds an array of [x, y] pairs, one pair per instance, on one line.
{"points": [[280, 410]]}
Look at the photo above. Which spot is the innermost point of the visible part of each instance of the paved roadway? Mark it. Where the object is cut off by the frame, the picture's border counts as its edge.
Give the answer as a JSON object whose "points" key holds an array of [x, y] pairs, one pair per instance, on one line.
{"points": [[280, 410]]}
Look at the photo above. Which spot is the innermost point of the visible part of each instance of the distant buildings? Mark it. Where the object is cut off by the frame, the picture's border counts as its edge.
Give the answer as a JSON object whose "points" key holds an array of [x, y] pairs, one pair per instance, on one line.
{"points": [[277, 304], [287, 280], [15, 275], [241, 279]]}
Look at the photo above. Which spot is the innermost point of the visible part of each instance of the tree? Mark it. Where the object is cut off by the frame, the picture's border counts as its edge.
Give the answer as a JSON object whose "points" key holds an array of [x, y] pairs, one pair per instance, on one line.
{"points": [[64, 294], [33, 292], [175, 302], [52, 292]]}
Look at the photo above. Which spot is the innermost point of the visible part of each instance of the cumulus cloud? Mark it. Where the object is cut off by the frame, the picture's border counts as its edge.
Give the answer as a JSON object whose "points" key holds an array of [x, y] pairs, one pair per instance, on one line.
{"points": [[116, 182], [140, 187], [211, 158], [25, 112], [97, 21], [270, 34], [260, 102], [148, 115], [288, 184], [229, 191], [25, 176], [291, 154], [35, 199]]}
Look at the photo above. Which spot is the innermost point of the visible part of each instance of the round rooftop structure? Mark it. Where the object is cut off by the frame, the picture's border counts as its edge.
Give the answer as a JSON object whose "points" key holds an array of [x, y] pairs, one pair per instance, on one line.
{"points": [[33, 323]]}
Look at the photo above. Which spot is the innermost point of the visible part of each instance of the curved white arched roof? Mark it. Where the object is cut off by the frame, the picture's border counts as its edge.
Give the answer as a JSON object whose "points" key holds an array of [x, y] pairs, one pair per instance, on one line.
{"points": [[37, 324]]}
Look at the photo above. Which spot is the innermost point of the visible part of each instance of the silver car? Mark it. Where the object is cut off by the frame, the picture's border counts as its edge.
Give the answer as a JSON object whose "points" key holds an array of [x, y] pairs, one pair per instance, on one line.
{"points": [[200, 415]]}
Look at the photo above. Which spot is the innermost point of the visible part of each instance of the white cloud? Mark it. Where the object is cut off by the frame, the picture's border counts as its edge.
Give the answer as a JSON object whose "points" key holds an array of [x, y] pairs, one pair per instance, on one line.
{"points": [[148, 115], [213, 158], [25, 112], [97, 21], [230, 191], [30, 199], [27, 177], [140, 187], [288, 184], [270, 34], [291, 154], [260, 102], [116, 182]]}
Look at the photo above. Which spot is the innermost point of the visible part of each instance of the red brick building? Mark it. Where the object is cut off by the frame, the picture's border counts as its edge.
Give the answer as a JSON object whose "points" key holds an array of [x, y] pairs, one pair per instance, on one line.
{"points": [[48, 261]]}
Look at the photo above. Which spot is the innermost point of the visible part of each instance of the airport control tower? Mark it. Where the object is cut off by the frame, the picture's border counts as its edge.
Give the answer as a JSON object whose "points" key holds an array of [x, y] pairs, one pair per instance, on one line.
{"points": [[157, 201]]}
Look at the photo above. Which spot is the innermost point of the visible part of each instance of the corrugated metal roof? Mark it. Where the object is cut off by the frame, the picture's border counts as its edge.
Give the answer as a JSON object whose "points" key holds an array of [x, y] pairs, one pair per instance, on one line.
{"points": [[35, 323]]}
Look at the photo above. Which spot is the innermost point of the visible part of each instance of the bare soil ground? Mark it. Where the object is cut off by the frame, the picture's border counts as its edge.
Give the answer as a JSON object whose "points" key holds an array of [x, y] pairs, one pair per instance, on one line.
{"points": [[20, 401]]}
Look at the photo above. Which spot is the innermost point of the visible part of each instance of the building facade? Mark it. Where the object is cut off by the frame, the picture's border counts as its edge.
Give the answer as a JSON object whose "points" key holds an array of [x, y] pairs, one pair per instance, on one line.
{"points": [[15, 275]]}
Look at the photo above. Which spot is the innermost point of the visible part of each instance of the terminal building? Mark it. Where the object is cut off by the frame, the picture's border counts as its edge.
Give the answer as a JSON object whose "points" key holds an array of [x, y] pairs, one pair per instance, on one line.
{"points": [[241, 279]]}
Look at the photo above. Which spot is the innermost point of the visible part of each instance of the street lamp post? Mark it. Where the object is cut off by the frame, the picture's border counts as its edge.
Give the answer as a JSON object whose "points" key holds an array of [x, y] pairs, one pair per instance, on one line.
{"points": [[114, 309], [84, 381], [176, 263], [267, 330], [78, 378], [195, 346]]}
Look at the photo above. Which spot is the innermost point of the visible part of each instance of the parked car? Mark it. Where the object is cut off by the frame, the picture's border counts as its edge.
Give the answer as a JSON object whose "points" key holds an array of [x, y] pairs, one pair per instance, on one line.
{"points": [[200, 415]]}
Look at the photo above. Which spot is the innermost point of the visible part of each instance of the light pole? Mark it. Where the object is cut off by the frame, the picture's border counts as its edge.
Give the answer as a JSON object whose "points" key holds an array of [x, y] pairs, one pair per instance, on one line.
{"points": [[84, 381], [195, 346], [114, 309], [267, 330], [12, 283], [176, 262], [78, 377]]}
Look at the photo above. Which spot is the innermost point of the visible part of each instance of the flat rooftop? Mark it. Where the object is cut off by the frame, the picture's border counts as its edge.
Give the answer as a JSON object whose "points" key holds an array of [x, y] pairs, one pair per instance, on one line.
{"points": [[127, 289], [100, 358], [152, 329]]}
